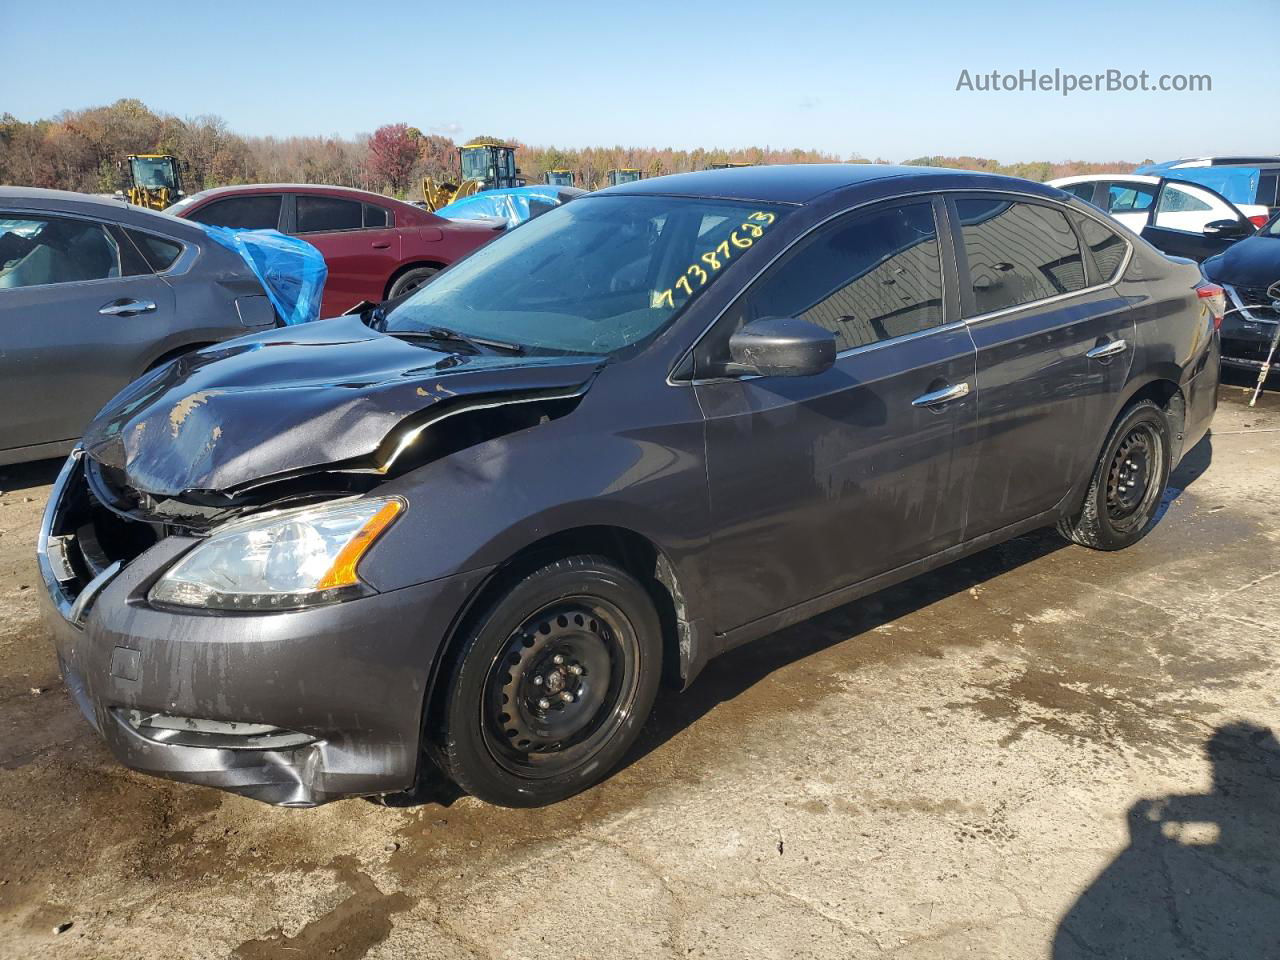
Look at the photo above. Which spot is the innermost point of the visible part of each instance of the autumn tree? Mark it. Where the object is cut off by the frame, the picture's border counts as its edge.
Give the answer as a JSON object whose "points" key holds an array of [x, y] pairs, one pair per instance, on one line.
{"points": [[393, 151]]}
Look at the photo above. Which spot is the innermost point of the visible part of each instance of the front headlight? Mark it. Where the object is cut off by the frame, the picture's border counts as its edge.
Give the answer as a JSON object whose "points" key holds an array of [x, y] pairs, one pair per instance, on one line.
{"points": [[279, 561]]}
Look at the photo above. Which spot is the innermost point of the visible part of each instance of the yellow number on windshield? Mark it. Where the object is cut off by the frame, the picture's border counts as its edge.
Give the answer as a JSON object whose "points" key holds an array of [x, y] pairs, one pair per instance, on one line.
{"points": [[715, 259]]}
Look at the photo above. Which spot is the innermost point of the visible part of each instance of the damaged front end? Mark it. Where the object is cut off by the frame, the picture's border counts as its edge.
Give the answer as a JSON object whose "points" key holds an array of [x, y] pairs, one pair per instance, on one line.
{"points": [[268, 693], [311, 412]]}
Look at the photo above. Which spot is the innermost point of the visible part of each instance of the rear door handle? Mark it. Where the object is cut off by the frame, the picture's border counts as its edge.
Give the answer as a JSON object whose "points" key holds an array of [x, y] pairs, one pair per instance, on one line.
{"points": [[126, 308], [936, 398], [381, 244], [1108, 349]]}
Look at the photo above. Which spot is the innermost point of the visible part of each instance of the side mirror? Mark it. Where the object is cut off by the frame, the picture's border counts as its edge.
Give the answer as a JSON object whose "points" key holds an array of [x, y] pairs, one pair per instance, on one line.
{"points": [[1227, 228], [782, 347]]}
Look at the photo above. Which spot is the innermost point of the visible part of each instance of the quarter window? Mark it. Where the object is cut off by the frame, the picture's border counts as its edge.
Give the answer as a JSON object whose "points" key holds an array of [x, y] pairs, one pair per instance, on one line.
{"points": [[256, 211], [322, 214], [157, 251], [1176, 200], [870, 277], [1017, 252], [1108, 248], [36, 251], [375, 216]]}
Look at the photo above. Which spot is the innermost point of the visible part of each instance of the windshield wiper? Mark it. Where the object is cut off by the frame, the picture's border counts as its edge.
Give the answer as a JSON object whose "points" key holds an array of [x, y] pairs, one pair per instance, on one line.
{"points": [[453, 336]]}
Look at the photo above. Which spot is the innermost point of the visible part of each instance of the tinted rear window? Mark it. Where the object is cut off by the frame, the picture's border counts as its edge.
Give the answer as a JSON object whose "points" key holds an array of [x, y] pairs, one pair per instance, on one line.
{"points": [[254, 212], [1018, 252], [318, 214]]}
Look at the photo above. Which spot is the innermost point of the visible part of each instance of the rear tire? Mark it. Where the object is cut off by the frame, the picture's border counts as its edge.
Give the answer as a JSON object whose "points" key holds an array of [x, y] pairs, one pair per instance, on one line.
{"points": [[1128, 482], [411, 280], [551, 685]]}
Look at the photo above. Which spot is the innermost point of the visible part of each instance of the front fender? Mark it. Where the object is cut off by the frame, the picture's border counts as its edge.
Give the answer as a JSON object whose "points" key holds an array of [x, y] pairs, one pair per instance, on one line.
{"points": [[481, 506]]}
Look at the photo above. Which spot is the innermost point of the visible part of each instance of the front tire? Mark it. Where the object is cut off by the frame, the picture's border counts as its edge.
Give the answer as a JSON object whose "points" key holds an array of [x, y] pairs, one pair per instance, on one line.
{"points": [[1128, 482], [552, 684]]}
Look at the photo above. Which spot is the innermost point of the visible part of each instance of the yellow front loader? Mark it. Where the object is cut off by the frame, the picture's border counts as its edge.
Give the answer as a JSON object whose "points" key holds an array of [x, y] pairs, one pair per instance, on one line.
{"points": [[154, 180], [483, 164]]}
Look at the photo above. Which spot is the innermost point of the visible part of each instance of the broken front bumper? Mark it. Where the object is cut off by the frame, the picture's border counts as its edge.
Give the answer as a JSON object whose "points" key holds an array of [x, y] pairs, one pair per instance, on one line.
{"points": [[293, 708], [1247, 330]]}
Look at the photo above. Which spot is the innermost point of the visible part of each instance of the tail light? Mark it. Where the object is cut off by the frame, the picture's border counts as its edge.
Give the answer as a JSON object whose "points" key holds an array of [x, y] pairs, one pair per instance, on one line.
{"points": [[1259, 220], [1214, 299]]}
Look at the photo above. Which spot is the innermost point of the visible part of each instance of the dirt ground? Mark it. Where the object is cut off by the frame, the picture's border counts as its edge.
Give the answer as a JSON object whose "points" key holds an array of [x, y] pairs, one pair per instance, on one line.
{"points": [[1042, 751]]}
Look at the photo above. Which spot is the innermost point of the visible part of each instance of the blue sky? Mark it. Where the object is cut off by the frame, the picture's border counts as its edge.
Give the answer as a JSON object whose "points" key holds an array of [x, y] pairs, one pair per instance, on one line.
{"points": [[877, 79]]}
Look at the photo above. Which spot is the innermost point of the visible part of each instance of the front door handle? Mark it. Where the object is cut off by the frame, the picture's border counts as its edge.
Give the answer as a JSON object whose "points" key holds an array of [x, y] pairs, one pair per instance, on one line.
{"points": [[127, 308], [1109, 349], [936, 398], [381, 244]]}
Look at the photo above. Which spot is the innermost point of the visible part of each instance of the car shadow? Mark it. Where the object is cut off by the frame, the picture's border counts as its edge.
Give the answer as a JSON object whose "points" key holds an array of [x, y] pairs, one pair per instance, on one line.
{"points": [[1193, 464], [23, 476], [731, 674], [1201, 874]]}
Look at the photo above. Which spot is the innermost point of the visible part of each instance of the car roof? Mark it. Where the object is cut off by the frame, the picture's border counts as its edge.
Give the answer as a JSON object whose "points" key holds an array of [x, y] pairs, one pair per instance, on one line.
{"points": [[1117, 177], [105, 207], [800, 183], [1225, 161], [316, 188]]}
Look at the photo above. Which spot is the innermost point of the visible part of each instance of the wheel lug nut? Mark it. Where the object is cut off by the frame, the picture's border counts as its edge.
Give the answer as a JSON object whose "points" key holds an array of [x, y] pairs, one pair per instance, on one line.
{"points": [[537, 681], [544, 704], [567, 697], [576, 670], [557, 659]]}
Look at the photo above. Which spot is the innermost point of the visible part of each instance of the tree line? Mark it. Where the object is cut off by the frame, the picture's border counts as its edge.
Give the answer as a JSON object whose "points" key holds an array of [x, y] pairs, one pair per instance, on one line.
{"points": [[82, 150]]}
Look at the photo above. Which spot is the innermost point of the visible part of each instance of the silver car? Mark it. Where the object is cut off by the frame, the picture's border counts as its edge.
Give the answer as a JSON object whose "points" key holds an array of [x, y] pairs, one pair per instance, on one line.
{"points": [[94, 293]]}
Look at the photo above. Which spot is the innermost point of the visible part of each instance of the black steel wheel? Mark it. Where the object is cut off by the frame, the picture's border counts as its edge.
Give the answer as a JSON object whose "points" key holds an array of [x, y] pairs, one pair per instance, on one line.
{"points": [[563, 683], [551, 684], [1128, 482], [1129, 478]]}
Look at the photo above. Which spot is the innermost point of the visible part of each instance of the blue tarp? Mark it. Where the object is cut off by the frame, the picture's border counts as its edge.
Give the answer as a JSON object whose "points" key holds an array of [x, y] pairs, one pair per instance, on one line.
{"points": [[291, 271], [1237, 184], [512, 204]]}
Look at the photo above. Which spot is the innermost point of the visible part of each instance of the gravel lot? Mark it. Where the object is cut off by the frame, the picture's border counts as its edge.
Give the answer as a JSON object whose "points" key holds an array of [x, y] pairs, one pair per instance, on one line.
{"points": [[1042, 752]]}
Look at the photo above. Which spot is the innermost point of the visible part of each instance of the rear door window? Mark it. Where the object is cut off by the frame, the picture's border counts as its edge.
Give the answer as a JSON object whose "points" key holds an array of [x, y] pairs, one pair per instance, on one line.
{"points": [[376, 216], [1017, 252], [323, 214], [1082, 190], [37, 251], [257, 211], [1130, 197]]}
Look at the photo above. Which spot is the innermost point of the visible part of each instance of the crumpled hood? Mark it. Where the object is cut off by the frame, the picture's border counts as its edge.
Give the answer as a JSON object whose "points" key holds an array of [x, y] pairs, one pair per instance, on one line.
{"points": [[283, 401], [1254, 262]]}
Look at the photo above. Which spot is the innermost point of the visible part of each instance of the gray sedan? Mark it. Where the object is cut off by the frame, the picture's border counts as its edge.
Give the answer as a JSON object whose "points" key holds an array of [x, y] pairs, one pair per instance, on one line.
{"points": [[470, 532], [93, 293]]}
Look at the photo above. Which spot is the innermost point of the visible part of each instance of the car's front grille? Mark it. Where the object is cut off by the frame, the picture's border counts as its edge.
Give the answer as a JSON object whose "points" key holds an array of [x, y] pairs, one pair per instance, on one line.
{"points": [[1257, 302]]}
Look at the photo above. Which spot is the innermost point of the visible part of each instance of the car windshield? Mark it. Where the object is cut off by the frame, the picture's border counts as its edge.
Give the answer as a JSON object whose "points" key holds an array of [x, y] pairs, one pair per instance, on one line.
{"points": [[1272, 229], [595, 276]]}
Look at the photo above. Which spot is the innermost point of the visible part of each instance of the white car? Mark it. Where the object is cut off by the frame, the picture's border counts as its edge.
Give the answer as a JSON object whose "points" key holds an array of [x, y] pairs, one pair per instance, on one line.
{"points": [[1131, 199]]}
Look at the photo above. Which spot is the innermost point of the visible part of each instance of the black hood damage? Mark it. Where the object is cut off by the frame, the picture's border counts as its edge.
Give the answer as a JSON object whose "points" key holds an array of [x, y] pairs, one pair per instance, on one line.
{"points": [[328, 397]]}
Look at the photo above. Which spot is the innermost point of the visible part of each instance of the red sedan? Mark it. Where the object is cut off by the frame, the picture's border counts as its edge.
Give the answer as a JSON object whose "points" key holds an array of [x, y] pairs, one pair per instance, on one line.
{"points": [[376, 248]]}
